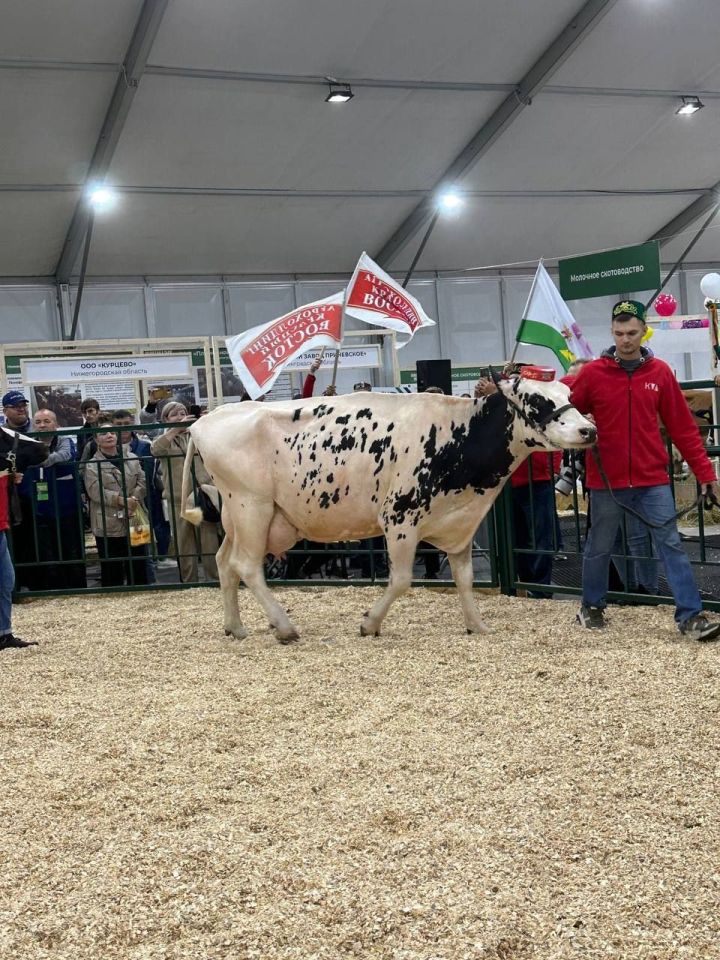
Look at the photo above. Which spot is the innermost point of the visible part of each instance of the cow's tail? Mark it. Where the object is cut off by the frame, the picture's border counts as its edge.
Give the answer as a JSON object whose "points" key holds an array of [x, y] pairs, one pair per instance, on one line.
{"points": [[193, 515]]}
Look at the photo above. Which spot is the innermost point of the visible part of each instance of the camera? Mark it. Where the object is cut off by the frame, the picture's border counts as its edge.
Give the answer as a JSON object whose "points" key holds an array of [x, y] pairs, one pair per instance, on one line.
{"points": [[565, 481], [572, 470]]}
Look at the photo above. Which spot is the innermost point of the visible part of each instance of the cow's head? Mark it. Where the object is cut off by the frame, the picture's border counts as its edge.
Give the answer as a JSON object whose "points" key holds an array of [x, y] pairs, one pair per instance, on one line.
{"points": [[28, 452], [545, 411]]}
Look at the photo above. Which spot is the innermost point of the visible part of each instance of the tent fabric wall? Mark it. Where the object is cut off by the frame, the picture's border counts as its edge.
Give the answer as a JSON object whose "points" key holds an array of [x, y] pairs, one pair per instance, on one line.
{"points": [[477, 317]]}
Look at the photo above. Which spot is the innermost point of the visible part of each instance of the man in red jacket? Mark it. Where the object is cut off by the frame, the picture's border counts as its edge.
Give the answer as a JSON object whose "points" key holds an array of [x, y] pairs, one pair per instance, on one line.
{"points": [[626, 391]]}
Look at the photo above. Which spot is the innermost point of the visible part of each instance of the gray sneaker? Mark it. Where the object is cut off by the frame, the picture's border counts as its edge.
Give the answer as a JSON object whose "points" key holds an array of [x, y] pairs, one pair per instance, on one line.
{"points": [[701, 629], [592, 618]]}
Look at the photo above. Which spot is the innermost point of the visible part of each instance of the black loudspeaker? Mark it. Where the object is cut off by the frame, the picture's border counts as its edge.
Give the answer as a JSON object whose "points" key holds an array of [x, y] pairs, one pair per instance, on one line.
{"points": [[434, 373]]}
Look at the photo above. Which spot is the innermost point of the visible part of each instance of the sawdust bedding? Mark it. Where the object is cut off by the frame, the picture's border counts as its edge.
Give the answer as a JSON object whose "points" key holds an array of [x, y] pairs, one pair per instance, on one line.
{"points": [[539, 792]]}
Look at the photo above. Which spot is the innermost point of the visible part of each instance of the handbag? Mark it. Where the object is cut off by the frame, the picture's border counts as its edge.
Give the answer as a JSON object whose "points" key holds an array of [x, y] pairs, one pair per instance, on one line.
{"points": [[139, 527]]}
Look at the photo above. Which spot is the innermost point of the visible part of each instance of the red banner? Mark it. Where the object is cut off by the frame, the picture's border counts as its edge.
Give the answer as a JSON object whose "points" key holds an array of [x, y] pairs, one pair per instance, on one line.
{"points": [[373, 296], [259, 354]]}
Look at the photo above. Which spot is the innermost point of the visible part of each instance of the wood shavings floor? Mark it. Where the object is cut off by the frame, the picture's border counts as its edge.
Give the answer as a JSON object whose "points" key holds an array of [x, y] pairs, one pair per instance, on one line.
{"points": [[542, 791]]}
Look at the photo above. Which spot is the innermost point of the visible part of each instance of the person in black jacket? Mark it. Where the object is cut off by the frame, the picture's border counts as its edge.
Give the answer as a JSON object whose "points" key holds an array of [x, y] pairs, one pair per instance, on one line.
{"points": [[90, 410]]}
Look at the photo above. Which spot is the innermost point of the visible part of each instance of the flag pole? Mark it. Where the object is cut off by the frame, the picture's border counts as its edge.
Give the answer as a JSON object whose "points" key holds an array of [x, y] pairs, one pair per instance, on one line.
{"points": [[337, 350], [532, 290]]}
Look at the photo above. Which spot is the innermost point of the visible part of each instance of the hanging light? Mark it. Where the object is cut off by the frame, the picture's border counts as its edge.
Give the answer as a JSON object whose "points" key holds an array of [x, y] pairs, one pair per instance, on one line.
{"points": [[449, 200], [101, 197], [689, 106], [339, 92]]}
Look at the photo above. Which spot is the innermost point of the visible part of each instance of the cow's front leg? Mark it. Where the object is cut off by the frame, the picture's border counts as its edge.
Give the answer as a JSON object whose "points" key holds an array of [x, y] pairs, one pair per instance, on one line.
{"points": [[251, 571], [250, 525], [229, 581], [401, 554], [462, 571]]}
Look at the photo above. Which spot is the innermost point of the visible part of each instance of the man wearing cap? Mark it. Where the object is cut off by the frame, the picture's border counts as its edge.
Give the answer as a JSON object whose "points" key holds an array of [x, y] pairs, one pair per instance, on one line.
{"points": [[627, 391], [15, 408]]}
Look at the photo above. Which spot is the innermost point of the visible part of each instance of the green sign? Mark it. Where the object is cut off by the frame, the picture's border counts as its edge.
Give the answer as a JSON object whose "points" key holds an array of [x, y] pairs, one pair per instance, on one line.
{"points": [[611, 273], [198, 357], [457, 374]]}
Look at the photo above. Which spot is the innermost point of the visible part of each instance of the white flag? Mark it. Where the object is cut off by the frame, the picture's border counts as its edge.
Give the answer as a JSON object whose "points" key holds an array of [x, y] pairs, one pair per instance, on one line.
{"points": [[374, 297], [547, 322]]}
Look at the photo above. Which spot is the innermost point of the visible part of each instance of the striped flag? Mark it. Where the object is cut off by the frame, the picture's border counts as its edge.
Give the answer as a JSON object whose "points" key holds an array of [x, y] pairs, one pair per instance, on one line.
{"points": [[547, 322]]}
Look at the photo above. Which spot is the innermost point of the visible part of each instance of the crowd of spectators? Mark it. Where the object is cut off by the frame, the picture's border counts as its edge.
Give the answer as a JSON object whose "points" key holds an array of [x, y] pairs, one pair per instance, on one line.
{"points": [[111, 493]]}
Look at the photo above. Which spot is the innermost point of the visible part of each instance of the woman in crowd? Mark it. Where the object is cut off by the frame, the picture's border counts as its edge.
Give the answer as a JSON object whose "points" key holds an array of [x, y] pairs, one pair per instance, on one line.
{"points": [[115, 486], [172, 446]]}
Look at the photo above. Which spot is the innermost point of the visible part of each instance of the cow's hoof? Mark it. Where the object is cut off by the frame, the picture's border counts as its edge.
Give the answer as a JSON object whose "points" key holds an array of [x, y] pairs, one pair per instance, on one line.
{"points": [[237, 634], [368, 633], [287, 638], [479, 629]]}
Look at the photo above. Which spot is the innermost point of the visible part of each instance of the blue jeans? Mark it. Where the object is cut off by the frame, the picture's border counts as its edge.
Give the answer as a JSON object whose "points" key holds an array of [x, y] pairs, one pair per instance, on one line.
{"points": [[7, 582], [657, 504], [638, 568]]}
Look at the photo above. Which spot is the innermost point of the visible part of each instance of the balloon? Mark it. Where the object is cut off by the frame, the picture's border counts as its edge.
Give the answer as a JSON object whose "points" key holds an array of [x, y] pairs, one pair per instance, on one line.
{"points": [[710, 285], [666, 305]]}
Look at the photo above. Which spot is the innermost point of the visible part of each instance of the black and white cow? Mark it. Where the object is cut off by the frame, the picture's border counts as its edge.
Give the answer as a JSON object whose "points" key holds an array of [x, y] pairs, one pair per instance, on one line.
{"points": [[26, 451], [411, 467]]}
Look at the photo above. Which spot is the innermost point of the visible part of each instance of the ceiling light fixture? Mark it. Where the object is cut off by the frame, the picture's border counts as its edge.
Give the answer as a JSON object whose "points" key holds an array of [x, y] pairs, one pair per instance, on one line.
{"points": [[339, 92], [449, 200], [689, 106], [101, 197]]}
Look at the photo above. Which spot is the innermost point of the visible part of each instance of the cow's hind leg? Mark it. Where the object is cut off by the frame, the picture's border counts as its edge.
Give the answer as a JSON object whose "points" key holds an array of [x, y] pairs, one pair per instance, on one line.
{"points": [[401, 554], [229, 581], [462, 571]]}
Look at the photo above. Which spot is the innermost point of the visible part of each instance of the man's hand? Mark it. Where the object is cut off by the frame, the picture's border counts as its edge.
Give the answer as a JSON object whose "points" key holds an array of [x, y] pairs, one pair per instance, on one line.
{"points": [[19, 477], [712, 490], [485, 387], [330, 391], [315, 365]]}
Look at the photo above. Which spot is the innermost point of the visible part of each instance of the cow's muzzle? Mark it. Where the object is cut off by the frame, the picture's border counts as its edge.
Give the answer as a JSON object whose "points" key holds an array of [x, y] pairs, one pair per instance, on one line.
{"points": [[588, 435]]}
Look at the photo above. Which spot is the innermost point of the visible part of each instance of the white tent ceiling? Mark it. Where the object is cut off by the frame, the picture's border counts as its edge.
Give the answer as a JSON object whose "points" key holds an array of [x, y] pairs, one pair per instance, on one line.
{"points": [[229, 161]]}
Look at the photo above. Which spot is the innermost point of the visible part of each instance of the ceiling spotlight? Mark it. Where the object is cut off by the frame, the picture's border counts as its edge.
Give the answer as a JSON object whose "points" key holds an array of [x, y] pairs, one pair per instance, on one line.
{"points": [[689, 106], [339, 92], [101, 197], [449, 200]]}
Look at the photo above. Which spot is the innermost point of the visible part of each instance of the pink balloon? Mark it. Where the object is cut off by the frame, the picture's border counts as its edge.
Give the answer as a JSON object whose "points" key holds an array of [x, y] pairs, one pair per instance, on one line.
{"points": [[666, 305]]}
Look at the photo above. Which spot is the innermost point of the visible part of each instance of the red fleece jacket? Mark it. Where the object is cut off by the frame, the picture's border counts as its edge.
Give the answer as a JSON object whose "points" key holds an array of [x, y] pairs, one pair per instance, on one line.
{"points": [[626, 408], [4, 518], [542, 468]]}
